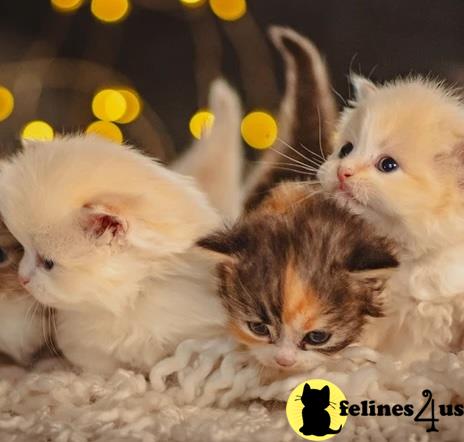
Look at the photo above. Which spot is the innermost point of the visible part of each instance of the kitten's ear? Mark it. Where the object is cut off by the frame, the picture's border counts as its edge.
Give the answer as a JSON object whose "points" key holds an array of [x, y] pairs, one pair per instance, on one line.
{"points": [[371, 264], [371, 254], [306, 388], [102, 224], [362, 86], [223, 243]]}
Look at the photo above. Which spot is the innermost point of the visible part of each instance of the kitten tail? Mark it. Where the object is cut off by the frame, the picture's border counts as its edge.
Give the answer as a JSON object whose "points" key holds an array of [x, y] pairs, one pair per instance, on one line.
{"points": [[306, 120], [216, 160]]}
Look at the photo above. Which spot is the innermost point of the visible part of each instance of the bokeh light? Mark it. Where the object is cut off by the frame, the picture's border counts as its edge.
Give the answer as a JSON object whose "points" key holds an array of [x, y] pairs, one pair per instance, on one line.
{"points": [[110, 11], [109, 105], [66, 5], [133, 106], [6, 103], [37, 130], [229, 10], [259, 129], [105, 129], [193, 3], [200, 123]]}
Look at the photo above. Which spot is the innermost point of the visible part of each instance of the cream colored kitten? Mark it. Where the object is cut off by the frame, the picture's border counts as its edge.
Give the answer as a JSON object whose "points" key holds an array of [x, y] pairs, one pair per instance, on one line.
{"points": [[108, 236], [400, 165]]}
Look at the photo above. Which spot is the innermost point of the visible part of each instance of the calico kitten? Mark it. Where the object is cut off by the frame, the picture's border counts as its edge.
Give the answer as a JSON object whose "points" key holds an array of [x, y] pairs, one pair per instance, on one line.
{"points": [[22, 330], [300, 277], [399, 165], [107, 236]]}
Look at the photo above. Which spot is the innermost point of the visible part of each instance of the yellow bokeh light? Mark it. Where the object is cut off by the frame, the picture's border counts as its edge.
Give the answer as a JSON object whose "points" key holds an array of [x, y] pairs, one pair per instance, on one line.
{"points": [[229, 10], [200, 123], [109, 105], [105, 129], [193, 3], [6, 103], [110, 11], [37, 130], [66, 5], [133, 106], [259, 129]]}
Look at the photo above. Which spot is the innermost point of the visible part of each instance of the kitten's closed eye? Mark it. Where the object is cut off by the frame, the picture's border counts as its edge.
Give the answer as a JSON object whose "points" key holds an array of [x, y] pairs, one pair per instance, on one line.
{"points": [[259, 328], [346, 150]]}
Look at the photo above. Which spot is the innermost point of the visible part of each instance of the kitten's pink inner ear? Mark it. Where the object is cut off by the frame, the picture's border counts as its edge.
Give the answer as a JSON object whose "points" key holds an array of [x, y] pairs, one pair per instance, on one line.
{"points": [[99, 223]]}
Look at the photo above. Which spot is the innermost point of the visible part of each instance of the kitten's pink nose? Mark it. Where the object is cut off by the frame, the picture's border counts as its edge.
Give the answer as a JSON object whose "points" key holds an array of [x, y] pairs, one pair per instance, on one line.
{"points": [[344, 173], [285, 360], [23, 280]]}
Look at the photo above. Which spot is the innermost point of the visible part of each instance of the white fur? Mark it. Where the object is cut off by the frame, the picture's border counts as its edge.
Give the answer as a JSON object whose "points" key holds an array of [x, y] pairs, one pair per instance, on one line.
{"points": [[216, 160], [421, 205], [21, 330], [125, 295]]}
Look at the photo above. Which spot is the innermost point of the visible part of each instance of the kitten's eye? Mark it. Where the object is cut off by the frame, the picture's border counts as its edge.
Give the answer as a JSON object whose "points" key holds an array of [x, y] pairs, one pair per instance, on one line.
{"points": [[387, 165], [48, 264], [258, 328], [3, 256], [345, 150], [317, 337]]}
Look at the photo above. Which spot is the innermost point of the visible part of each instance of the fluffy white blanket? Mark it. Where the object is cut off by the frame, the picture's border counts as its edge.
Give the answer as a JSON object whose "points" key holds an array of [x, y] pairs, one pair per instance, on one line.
{"points": [[209, 391]]}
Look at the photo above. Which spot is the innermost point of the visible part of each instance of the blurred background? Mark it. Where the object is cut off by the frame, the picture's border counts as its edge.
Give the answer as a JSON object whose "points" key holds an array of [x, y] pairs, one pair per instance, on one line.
{"points": [[139, 70]]}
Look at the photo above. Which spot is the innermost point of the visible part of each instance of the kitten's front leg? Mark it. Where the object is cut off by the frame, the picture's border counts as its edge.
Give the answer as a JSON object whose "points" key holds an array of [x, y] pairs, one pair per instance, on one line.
{"points": [[90, 359], [79, 341]]}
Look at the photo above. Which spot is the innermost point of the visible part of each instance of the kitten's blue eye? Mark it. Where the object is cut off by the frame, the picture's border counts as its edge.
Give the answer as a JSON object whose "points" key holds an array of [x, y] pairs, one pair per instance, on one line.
{"points": [[48, 264], [316, 337], [387, 165], [345, 150], [258, 328]]}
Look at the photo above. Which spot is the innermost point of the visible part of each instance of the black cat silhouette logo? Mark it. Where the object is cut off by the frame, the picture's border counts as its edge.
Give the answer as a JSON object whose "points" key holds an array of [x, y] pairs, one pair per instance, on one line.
{"points": [[313, 410]]}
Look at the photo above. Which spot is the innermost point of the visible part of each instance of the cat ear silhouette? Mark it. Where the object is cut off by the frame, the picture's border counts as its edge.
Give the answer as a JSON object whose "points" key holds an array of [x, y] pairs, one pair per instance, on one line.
{"points": [[306, 388], [326, 393]]}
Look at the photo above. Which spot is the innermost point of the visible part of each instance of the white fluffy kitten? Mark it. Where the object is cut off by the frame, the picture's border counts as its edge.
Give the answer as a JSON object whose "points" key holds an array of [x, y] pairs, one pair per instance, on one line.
{"points": [[108, 236], [400, 166], [216, 160]]}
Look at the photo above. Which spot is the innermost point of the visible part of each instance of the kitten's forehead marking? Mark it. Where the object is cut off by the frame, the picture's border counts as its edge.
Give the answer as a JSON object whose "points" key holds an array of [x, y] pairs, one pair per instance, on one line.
{"points": [[301, 305]]}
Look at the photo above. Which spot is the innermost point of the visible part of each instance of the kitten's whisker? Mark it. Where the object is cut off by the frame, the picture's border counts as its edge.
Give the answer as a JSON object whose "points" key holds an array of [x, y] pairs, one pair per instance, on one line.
{"points": [[311, 161], [339, 95], [320, 132], [294, 150], [274, 164], [294, 160], [313, 153]]}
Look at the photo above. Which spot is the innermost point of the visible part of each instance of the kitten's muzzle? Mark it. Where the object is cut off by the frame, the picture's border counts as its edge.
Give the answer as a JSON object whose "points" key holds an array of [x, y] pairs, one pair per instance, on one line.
{"points": [[24, 280], [285, 361]]}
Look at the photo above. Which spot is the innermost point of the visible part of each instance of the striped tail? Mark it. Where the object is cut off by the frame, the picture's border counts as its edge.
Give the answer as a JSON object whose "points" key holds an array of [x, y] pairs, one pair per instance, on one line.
{"points": [[306, 120]]}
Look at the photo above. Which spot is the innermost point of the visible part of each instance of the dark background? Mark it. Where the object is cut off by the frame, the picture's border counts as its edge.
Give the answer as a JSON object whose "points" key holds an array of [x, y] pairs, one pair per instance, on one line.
{"points": [[170, 54]]}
